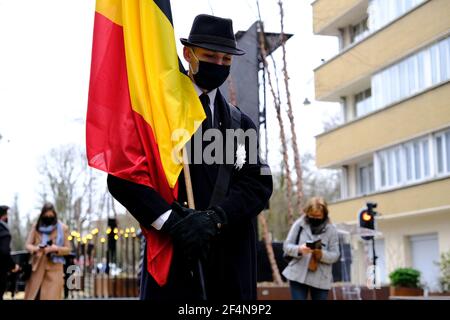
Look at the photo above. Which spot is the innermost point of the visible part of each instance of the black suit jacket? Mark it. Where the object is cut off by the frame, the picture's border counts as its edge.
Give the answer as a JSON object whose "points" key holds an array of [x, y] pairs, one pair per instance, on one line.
{"points": [[6, 261], [230, 271]]}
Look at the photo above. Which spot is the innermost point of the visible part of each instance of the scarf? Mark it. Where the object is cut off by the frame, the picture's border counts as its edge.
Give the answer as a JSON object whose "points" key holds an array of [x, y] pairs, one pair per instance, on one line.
{"points": [[318, 229], [46, 231]]}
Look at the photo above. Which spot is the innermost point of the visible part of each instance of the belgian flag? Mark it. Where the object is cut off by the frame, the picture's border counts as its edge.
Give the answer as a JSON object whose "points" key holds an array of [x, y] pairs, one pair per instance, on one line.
{"points": [[139, 95]]}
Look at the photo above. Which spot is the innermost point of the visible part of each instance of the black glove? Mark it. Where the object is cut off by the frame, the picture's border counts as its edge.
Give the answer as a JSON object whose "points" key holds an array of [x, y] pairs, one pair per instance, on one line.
{"points": [[192, 230], [218, 216]]}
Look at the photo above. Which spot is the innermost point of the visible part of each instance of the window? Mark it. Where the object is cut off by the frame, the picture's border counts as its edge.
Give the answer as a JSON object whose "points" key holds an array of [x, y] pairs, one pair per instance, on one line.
{"points": [[444, 58], [359, 31], [435, 74], [447, 148], [381, 12], [440, 154], [442, 142], [366, 182], [410, 162], [426, 158], [383, 171], [398, 166], [416, 73], [404, 85], [422, 72], [417, 161], [363, 102], [405, 163]]}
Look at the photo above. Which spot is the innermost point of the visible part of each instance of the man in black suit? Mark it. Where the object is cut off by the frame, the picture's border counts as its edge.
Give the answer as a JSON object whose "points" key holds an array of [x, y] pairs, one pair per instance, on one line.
{"points": [[6, 262], [221, 231]]}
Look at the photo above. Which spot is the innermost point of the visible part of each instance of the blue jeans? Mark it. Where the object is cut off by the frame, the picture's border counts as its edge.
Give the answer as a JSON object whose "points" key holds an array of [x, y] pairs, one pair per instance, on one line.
{"points": [[299, 291]]}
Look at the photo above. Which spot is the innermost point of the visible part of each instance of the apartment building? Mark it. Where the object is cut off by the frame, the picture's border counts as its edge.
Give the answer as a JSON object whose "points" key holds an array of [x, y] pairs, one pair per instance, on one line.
{"points": [[392, 79]]}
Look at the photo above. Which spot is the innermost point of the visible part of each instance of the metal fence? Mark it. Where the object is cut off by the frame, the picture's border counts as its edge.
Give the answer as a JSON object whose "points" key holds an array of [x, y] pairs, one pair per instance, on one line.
{"points": [[101, 265]]}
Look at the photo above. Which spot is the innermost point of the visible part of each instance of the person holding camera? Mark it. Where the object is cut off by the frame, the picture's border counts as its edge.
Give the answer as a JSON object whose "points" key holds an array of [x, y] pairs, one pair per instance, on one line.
{"points": [[48, 244], [313, 246]]}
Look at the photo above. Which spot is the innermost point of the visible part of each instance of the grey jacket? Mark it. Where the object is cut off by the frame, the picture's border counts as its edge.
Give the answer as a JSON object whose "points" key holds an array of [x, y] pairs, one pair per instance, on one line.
{"points": [[297, 269]]}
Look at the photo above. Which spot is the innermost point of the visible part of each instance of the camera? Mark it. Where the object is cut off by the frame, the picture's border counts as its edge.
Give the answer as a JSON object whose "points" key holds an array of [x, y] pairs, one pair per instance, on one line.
{"points": [[49, 243]]}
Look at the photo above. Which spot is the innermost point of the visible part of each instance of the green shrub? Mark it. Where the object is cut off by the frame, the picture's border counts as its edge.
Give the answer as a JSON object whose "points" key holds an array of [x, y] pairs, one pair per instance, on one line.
{"points": [[405, 277], [444, 265]]}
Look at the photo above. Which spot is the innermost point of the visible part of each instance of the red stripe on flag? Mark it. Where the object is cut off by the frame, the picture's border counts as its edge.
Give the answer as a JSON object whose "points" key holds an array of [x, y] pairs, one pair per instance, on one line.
{"points": [[118, 140]]}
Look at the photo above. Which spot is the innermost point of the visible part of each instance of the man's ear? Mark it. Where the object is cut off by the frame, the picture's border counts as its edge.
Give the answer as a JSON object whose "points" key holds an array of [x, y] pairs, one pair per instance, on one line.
{"points": [[193, 62], [187, 54]]}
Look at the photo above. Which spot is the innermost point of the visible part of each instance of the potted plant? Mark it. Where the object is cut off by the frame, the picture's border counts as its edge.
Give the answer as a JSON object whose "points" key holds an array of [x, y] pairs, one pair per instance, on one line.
{"points": [[444, 279], [405, 282]]}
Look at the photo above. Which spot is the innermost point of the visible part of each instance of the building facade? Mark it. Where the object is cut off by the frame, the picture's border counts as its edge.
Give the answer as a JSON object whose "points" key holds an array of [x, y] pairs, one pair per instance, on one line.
{"points": [[392, 79]]}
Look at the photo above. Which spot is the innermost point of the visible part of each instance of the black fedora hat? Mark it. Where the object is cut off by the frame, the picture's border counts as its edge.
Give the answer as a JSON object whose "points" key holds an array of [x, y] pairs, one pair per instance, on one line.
{"points": [[212, 33]]}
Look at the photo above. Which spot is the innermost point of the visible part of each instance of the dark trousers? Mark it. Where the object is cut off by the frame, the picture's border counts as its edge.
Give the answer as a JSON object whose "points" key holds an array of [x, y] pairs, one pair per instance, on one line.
{"points": [[299, 291], [3, 279], [182, 285]]}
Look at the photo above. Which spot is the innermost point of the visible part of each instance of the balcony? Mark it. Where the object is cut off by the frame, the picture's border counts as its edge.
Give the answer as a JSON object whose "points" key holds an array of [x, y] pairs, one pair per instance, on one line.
{"points": [[330, 15], [352, 69], [421, 198], [418, 115]]}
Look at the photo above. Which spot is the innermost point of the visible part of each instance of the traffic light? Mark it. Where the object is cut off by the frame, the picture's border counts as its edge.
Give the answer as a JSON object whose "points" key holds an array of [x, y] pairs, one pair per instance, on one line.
{"points": [[367, 218]]}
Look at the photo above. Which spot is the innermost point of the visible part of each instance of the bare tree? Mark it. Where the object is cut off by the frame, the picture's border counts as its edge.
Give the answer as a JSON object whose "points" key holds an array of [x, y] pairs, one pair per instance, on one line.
{"points": [[276, 276], [297, 161], [276, 98], [277, 104], [334, 120], [319, 182], [70, 184], [324, 183], [17, 241]]}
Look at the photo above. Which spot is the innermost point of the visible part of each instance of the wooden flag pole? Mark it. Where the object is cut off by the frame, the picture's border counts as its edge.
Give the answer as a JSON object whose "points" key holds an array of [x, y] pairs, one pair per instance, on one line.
{"points": [[191, 204], [187, 180]]}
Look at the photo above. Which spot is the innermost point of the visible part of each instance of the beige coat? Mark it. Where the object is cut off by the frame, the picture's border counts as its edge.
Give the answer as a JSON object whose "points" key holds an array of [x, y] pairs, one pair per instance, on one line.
{"points": [[46, 275]]}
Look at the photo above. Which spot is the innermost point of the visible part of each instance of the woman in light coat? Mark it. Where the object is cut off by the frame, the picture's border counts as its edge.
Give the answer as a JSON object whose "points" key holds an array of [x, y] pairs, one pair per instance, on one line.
{"points": [[310, 270], [48, 244]]}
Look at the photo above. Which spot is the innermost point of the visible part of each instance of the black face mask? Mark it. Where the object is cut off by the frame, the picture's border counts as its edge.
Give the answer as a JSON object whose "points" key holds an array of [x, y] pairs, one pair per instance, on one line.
{"points": [[48, 220], [210, 75], [315, 222]]}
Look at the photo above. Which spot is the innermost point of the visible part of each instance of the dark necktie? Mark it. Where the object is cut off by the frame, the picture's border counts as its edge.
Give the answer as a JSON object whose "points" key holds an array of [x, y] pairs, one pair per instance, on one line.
{"points": [[204, 98]]}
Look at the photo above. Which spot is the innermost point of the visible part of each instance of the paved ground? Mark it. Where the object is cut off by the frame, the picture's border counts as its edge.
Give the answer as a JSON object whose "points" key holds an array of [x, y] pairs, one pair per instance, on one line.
{"points": [[420, 298]]}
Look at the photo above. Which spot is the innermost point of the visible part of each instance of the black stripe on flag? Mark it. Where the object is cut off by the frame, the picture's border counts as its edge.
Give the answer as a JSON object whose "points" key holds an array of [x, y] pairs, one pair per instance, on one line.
{"points": [[164, 5]]}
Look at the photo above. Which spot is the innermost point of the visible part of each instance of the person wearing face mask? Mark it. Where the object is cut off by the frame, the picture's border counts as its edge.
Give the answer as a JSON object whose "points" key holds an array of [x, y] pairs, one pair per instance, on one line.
{"points": [[313, 244], [48, 244], [221, 231], [6, 262]]}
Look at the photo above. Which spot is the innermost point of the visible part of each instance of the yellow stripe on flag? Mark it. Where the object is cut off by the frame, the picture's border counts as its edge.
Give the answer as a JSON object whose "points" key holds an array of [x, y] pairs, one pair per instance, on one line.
{"points": [[159, 92], [111, 9]]}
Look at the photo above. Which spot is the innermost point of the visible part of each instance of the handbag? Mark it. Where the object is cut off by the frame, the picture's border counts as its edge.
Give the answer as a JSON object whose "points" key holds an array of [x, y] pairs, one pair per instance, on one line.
{"points": [[289, 258]]}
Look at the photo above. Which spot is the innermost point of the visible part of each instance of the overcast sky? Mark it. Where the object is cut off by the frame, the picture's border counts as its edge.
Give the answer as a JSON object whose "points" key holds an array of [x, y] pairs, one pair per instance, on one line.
{"points": [[44, 76]]}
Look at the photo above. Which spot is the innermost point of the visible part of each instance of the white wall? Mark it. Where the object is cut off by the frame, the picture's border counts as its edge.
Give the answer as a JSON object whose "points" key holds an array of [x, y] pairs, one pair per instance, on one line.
{"points": [[396, 236]]}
